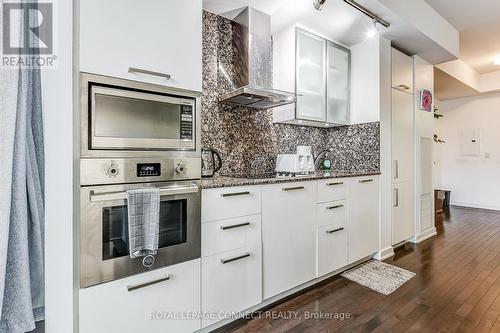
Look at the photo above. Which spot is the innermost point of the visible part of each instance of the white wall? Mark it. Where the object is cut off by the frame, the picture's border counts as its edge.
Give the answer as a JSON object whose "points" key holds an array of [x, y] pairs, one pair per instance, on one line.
{"points": [[473, 181], [57, 92]]}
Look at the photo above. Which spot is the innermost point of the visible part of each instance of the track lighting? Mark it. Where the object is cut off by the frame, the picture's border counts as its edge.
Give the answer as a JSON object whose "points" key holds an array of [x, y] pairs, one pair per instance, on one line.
{"points": [[372, 32], [318, 4]]}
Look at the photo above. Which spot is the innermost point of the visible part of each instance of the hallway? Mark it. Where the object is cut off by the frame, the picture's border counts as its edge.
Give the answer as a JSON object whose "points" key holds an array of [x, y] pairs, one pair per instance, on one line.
{"points": [[457, 287]]}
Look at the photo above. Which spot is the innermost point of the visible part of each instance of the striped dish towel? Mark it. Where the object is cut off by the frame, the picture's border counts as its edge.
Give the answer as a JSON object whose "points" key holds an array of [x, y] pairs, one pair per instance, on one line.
{"points": [[143, 221]]}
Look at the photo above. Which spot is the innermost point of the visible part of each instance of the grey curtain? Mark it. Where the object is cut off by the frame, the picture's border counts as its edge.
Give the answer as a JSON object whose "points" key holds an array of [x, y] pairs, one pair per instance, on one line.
{"points": [[21, 200]]}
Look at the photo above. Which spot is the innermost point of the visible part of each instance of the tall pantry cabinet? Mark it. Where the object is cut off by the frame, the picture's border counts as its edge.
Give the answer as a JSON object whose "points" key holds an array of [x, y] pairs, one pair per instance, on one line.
{"points": [[402, 148]]}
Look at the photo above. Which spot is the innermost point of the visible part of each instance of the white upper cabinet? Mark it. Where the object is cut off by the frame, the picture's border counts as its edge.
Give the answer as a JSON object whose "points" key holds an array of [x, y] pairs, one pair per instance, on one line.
{"points": [[311, 76], [338, 84], [162, 37], [402, 136], [402, 71], [318, 71]]}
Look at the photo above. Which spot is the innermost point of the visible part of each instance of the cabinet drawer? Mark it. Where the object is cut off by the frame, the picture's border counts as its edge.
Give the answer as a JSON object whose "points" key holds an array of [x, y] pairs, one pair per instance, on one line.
{"points": [[231, 286], [230, 234], [116, 307], [331, 190], [229, 202], [334, 212], [332, 248]]}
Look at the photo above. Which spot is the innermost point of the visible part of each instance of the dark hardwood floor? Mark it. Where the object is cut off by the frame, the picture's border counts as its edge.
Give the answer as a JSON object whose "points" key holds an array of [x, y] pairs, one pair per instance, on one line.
{"points": [[457, 287]]}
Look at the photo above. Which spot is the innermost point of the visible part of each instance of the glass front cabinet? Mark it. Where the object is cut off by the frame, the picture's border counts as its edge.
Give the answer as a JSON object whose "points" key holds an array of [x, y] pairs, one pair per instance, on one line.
{"points": [[320, 77]]}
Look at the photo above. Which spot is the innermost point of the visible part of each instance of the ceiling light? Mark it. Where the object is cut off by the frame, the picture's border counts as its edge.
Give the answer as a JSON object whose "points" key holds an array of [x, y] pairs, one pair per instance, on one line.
{"points": [[300, 121], [372, 32], [318, 4], [497, 60]]}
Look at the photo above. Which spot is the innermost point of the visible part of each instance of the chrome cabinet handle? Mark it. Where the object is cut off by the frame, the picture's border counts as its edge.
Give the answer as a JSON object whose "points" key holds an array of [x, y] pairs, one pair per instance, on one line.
{"points": [[335, 207], [334, 230], [147, 72], [293, 188], [366, 180], [396, 169], [235, 226], [396, 197], [402, 87], [147, 284], [234, 194], [336, 183], [121, 195], [226, 261]]}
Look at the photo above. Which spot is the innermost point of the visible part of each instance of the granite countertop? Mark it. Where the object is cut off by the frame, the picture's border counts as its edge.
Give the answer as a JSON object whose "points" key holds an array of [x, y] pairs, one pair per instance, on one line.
{"points": [[225, 181]]}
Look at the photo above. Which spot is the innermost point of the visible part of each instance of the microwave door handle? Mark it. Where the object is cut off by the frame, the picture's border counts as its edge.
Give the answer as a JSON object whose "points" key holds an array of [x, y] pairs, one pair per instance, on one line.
{"points": [[121, 195]]}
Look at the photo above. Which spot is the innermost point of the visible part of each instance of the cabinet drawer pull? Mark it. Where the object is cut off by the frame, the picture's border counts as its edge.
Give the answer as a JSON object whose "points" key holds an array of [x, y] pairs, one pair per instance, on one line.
{"points": [[366, 180], [225, 261], [226, 227], [293, 188], [402, 87], [335, 207], [334, 184], [396, 169], [147, 72], [147, 284], [396, 197], [234, 194], [334, 230]]}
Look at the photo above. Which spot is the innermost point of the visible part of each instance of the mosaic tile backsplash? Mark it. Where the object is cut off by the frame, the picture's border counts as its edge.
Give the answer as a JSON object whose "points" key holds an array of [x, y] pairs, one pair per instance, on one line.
{"points": [[247, 138]]}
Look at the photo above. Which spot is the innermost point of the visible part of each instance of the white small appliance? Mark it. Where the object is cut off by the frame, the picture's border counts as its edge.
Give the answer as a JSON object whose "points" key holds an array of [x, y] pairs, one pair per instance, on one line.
{"points": [[301, 163]]}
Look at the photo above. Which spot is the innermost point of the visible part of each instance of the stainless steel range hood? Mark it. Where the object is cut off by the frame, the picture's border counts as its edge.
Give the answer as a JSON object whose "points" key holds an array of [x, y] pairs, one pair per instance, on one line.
{"points": [[252, 47]]}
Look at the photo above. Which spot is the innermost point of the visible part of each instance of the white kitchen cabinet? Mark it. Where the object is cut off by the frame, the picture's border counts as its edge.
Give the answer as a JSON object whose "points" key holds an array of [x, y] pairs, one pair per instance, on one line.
{"points": [[402, 71], [363, 194], [338, 84], [230, 234], [229, 202], [403, 226], [318, 71], [160, 36], [231, 282], [331, 212], [311, 76], [402, 136], [332, 190], [158, 307], [332, 247], [288, 236]]}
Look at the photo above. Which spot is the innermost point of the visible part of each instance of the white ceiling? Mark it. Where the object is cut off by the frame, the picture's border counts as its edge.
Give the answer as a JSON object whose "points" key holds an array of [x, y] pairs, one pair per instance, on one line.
{"points": [[479, 24]]}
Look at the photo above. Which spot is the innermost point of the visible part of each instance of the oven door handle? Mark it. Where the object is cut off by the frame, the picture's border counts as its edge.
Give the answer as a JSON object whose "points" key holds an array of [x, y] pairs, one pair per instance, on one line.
{"points": [[121, 195]]}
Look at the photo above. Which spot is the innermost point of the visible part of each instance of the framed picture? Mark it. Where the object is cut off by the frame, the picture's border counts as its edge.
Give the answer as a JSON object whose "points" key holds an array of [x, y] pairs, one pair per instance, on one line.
{"points": [[425, 100]]}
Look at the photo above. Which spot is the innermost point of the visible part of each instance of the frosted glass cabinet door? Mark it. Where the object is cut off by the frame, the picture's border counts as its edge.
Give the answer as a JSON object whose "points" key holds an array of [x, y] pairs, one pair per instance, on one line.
{"points": [[337, 84], [310, 76]]}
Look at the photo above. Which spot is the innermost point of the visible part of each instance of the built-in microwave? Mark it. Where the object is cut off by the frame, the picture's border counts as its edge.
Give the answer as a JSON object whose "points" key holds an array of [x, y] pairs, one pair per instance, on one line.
{"points": [[128, 116]]}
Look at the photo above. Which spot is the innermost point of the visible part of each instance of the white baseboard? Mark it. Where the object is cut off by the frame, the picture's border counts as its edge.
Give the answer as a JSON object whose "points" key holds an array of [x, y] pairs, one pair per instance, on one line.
{"points": [[474, 205], [384, 254], [423, 236]]}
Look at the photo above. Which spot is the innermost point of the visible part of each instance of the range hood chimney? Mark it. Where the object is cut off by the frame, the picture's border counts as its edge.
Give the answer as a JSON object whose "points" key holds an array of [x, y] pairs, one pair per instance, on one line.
{"points": [[252, 47]]}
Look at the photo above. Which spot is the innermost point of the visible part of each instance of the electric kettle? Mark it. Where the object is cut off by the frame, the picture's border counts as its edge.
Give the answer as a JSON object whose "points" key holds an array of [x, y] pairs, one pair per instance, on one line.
{"points": [[208, 163]]}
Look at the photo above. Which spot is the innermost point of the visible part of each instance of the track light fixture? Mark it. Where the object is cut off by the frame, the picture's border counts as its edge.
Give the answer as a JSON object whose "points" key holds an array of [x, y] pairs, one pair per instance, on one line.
{"points": [[318, 4]]}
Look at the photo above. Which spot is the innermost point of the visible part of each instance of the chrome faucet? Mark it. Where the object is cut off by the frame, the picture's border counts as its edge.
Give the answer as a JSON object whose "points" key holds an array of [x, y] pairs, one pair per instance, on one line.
{"points": [[320, 155]]}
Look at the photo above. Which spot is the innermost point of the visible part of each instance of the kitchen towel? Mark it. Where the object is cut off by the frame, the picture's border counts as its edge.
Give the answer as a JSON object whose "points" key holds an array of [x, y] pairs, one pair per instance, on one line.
{"points": [[143, 221], [21, 196]]}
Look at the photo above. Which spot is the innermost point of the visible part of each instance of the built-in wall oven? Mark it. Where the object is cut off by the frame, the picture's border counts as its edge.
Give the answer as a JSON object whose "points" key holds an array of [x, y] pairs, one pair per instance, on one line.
{"points": [[134, 136]]}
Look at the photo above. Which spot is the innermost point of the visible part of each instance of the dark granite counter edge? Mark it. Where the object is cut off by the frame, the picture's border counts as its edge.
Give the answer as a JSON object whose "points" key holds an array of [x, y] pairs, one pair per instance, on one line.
{"points": [[222, 181]]}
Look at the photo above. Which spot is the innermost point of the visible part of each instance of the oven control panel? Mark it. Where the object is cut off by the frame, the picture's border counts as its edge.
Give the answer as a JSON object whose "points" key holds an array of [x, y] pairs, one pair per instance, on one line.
{"points": [[148, 169], [98, 171]]}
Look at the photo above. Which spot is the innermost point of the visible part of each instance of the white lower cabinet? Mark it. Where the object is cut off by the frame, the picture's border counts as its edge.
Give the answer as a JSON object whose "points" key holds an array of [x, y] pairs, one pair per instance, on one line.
{"points": [[288, 236], [231, 282], [363, 193], [332, 248], [163, 306]]}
